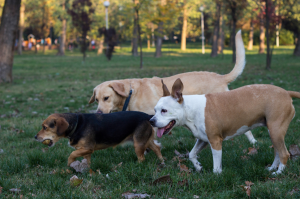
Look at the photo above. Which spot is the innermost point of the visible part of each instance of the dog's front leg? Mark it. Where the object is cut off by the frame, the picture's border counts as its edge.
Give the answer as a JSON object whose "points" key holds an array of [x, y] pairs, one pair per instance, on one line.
{"points": [[193, 154], [78, 153], [217, 158]]}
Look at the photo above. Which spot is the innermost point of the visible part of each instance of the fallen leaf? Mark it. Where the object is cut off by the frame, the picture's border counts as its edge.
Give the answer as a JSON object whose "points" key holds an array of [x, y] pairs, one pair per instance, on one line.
{"points": [[295, 190], [163, 180], [183, 183], [195, 196], [252, 151], [53, 172], [294, 150], [80, 166], [247, 188], [15, 190], [96, 188], [244, 157], [91, 172], [98, 170], [115, 168], [75, 181], [184, 168], [1, 189], [134, 190], [129, 195]]}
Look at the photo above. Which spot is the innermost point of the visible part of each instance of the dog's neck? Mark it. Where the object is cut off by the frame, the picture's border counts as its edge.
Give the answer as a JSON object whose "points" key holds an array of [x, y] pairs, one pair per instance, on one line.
{"points": [[72, 119], [193, 110]]}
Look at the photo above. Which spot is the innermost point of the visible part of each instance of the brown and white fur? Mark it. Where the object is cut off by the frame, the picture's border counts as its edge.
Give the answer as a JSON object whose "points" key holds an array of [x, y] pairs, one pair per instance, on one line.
{"points": [[213, 118], [111, 95]]}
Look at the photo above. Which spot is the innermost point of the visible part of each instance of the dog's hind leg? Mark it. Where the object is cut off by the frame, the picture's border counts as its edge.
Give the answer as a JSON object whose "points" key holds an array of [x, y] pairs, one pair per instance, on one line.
{"points": [[88, 158], [156, 150], [250, 137], [193, 154]]}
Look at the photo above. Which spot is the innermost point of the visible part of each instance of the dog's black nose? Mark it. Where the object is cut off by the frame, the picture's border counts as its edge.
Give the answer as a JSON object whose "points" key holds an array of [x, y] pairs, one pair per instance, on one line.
{"points": [[152, 121], [35, 136]]}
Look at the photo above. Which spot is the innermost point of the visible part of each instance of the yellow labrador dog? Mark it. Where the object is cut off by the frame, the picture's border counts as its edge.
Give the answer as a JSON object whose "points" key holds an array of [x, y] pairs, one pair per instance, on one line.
{"points": [[111, 95]]}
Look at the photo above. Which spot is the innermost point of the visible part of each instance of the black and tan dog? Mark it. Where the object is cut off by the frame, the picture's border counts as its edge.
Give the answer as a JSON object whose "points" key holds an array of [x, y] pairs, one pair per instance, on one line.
{"points": [[90, 132]]}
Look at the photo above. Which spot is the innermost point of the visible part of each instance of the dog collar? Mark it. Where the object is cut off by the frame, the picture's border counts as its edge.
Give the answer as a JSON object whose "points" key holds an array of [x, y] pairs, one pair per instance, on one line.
{"points": [[70, 134], [127, 101]]}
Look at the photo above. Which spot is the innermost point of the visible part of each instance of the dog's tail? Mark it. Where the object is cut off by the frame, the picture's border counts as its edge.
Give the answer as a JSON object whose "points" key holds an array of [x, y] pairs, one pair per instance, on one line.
{"points": [[294, 94], [240, 59]]}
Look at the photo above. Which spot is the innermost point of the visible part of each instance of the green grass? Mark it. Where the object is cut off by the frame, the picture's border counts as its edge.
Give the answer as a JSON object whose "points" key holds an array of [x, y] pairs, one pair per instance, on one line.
{"points": [[45, 84]]}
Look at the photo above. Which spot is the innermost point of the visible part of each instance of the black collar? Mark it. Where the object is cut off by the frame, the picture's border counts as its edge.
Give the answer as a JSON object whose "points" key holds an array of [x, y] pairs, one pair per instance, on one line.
{"points": [[70, 134], [127, 101]]}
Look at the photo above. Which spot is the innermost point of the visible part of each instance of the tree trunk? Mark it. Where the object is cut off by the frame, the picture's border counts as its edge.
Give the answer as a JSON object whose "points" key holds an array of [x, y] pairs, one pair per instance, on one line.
{"points": [[297, 47], [184, 27], [230, 38], [135, 33], [214, 50], [234, 20], [250, 43], [153, 38], [221, 36], [139, 35], [268, 66], [159, 40], [100, 48], [8, 30], [262, 34], [148, 42], [62, 41], [21, 28]]}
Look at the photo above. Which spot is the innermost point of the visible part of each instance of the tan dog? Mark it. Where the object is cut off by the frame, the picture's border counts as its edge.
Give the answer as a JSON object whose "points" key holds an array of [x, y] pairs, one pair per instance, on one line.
{"points": [[213, 118], [111, 95]]}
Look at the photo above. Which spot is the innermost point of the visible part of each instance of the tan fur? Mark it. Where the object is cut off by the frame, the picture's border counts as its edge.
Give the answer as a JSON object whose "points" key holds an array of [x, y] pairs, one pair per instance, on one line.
{"points": [[268, 105], [147, 91]]}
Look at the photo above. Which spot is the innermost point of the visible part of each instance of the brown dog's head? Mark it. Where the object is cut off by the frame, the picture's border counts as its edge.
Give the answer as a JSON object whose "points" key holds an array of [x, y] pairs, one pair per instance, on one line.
{"points": [[53, 129], [110, 96]]}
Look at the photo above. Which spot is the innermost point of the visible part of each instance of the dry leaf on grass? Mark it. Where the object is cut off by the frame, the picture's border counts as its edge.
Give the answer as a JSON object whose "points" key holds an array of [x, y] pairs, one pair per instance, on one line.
{"points": [[91, 172], [1, 189], [181, 155], [75, 181], [294, 150], [129, 195], [80, 166], [115, 168], [247, 188], [244, 157], [295, 190], [195, 196], [184, 182], [163, 180], [252, 151], [184, 168], [15, 190]]}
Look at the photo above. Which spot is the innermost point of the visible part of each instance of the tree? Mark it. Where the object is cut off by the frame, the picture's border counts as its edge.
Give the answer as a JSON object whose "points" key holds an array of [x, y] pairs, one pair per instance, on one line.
{"points": [[214, 50], [81, 13], [291, 20], [21, 28], [62, 42], [135, 30], [8, 30], [184, 26], [236, 8]]}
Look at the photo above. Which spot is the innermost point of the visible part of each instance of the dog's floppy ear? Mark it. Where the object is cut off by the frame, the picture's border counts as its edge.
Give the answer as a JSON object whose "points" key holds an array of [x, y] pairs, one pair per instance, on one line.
{"points": [[119, 88], [166, 92], [177, 90], [93, 97], [61, 125]]}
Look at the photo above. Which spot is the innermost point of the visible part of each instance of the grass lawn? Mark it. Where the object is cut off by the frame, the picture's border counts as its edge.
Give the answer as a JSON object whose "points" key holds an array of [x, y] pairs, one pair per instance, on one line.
{"points": [[46, 84]]}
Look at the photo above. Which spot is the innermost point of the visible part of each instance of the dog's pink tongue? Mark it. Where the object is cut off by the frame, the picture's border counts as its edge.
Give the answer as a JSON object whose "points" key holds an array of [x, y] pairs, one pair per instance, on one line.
{"points": [[160, 132]]}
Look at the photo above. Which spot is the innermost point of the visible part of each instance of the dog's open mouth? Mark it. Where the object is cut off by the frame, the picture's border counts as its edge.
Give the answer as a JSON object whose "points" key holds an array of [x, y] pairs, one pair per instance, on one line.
{"points": [[48, 142], [166, 129]]}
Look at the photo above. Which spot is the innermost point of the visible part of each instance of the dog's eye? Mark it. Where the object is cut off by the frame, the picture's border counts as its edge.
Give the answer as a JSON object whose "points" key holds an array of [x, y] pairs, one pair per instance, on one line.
{"points": [[106, 98], [164, 110], [44, 127], [96, 100]]}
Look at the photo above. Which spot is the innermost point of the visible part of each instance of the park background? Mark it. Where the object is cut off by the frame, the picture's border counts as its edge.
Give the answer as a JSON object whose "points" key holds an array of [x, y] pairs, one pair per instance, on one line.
{"points": [[58, 72]]}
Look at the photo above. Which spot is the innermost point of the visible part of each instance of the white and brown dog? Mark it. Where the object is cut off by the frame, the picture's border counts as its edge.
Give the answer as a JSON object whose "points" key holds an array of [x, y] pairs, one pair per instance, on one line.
{"points": [[111, 95], [213, 118]]}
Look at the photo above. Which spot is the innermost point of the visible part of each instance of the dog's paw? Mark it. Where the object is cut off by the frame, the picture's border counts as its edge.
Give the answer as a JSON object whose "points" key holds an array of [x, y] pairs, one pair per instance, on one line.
{"points": [[271, 168], [217, 171], [198, 168]]}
